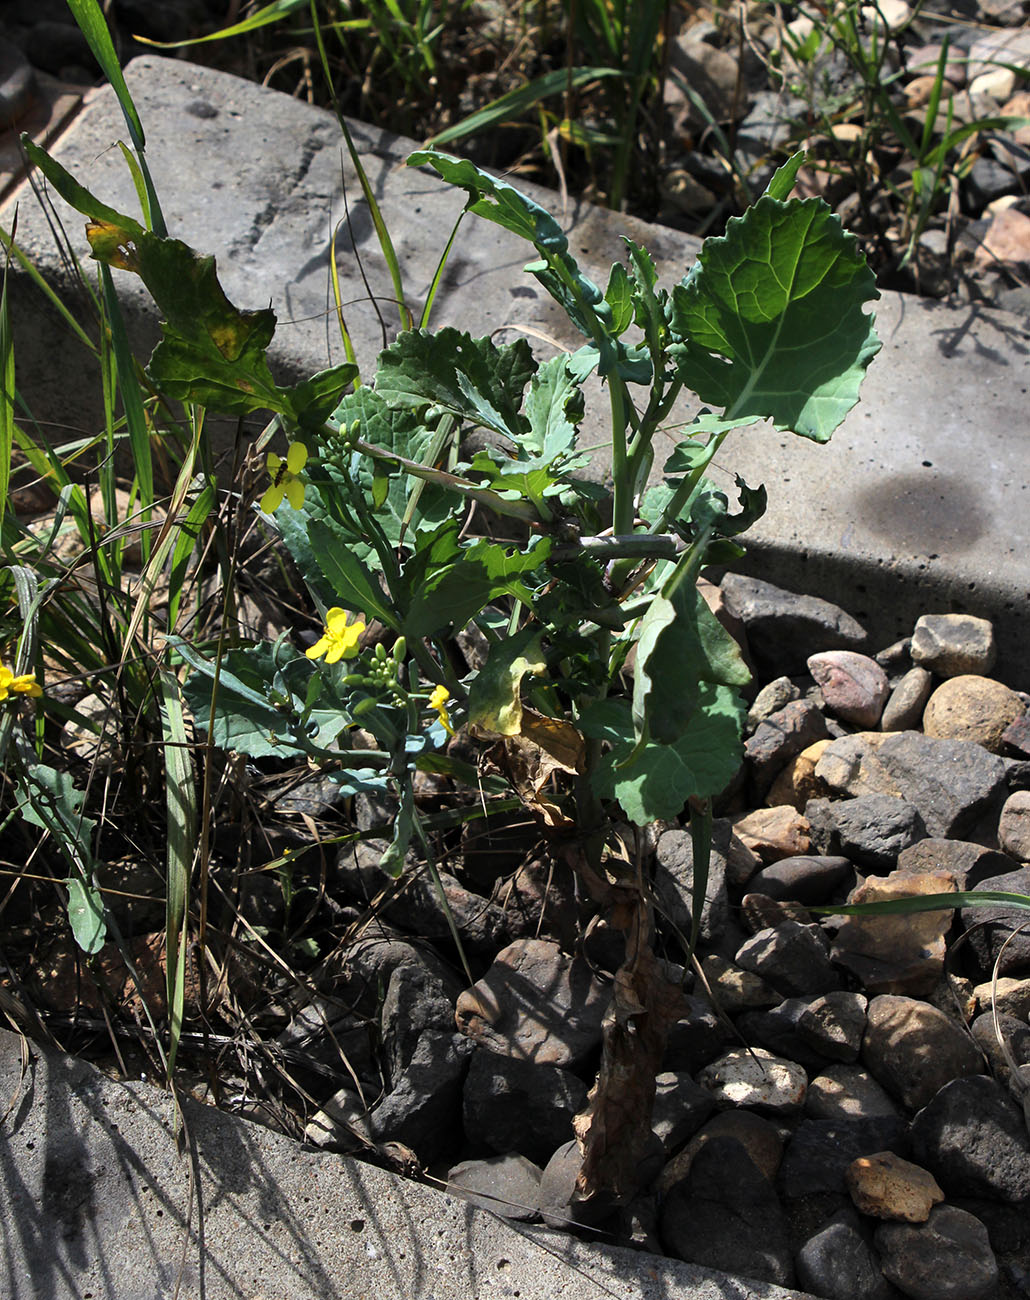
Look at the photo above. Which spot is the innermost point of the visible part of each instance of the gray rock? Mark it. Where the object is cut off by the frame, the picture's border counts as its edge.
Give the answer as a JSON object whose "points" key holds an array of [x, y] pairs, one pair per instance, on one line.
{"points": [[368, 964], [507, 1185], [709, 71], [853, 685], [415, 1001], [847, 1092], [1014, 825], [973, 1138], [558, 1185], [773, 696], [951, 644], [760, 912], [697, 1038], [837, 1263], [994, 931], [948, 1257], [781, 737], [535, 1003], [872, 829], [784, 628], [674, 881], [810, 879], [820, 1151], [341, 1123], [904, 708], [950, 782], [17, 84], [914, 1050], [330, 1036], [417, 906], [793, 958], [834, 1025], [681, 1106], [423, 1109], [513, 1105], [968, 863], [725, 1214], [756, 1079], [1015, 1034], [776, 1030]]}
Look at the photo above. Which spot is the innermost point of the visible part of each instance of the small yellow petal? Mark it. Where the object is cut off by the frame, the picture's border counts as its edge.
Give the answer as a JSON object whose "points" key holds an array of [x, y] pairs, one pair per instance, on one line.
{"points": [[294, 490], [272, 499], [272, 463], [296, 457]]}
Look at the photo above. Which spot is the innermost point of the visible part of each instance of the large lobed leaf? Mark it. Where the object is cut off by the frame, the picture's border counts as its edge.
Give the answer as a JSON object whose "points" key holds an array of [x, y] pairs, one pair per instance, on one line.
{"points": [[653, 782], [770, 322], [210, 352], [473, 379]]}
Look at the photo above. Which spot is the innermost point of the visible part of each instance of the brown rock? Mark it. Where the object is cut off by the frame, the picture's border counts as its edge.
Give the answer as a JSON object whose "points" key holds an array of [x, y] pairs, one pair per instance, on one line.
{"points": [[760, 912], [969, 707], [734, 989], [1014, 825], [887, 1187], [1018, 733], [896, 954], [756, 1135], [854, 686], [1010, 996], [537, 1003], [774, 833], [1007, 241], [914, 1050], [797, 782]]}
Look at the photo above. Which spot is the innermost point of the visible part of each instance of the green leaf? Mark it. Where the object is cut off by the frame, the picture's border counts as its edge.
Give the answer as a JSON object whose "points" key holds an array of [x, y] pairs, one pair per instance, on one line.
{"points": [[456, 591], [496, 200], [770, 321], [501, 203], [495, 702], [355, 585], [656, 782], [76, 195], [619, 296], [86, 915], [473, 379], [784, 177], [261, 707], [554, 408], [681, 646], [392, 861], [210, 351], [402, 431]]}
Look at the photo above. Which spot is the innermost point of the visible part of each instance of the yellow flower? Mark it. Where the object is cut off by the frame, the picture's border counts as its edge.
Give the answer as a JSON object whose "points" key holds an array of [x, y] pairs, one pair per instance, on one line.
{"points": [[26, 684], [438, 701], [339, 640], [285, 480]]}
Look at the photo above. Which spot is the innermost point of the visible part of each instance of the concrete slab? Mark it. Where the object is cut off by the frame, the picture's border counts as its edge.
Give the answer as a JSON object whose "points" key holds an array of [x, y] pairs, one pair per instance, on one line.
{"points": [[97, 1204], [919, 504]]}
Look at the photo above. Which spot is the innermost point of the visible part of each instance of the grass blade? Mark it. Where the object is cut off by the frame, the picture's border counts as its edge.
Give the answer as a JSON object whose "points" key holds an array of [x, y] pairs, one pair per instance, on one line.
{"points": [[90, 17], [521, 100], [181, 806]]}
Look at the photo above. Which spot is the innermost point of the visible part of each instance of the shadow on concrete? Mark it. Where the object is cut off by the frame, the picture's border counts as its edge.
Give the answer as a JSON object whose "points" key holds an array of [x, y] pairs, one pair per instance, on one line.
{"points": [[98, 1204]]}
